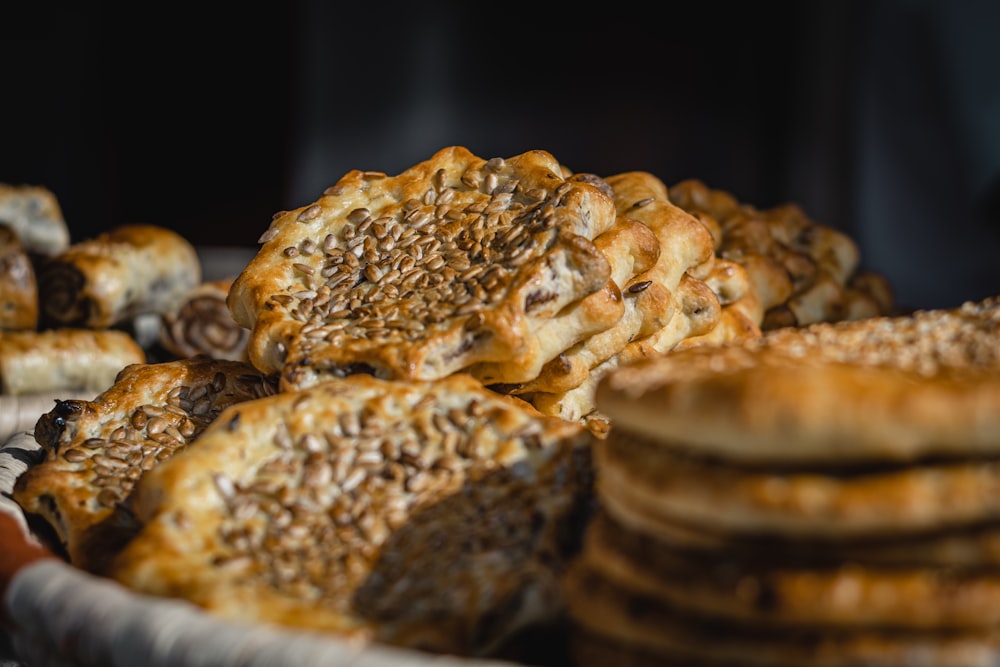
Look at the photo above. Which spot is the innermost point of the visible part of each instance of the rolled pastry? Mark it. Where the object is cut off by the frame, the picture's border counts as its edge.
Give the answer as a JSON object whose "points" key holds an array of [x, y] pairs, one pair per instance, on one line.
{"points": [[77, 360], [128, 271], [18, 286], [33, 212], [203, 324]]}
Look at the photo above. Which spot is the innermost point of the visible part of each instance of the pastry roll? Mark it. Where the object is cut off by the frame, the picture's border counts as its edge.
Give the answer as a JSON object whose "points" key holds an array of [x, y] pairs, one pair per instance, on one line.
{"points": [[203, 324], [128, 271], [78, 360], [18, 286], [33, 212]]}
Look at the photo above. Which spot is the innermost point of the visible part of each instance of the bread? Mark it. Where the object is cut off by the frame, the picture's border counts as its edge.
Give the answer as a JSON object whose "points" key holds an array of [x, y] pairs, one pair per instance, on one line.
{"points": [[428, 514], [895, 388], [416, 276], [95, 451]]}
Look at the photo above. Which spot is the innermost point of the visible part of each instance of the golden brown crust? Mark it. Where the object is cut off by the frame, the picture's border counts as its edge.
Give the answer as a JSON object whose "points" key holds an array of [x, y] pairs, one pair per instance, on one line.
{"points": [[426, 514], [631, 248], [422, 274], [801, 270], [71, 360], [107, 280], [97, 450], [889, 388]]}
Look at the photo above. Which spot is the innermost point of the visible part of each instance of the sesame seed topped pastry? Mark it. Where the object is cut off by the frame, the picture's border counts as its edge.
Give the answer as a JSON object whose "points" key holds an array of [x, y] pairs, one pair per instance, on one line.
{"points": [[802, 271], [33, 212], [419, 275], [96, 450], [64, 360], [428, 514], [18, 284], [112, 278], [203, 324]]}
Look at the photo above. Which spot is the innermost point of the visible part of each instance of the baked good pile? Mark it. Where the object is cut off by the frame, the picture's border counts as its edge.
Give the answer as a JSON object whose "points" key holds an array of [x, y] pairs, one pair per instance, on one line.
{"points": [[823, 495], [485, 397]]}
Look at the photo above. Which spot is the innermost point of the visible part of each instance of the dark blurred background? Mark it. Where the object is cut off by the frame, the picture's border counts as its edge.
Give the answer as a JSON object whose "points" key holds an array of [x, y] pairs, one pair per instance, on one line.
{"points": [[880, 118]]}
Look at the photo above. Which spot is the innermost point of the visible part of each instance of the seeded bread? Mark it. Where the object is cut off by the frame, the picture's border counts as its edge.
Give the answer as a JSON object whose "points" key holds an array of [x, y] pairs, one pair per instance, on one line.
{"points": [[95, 451], [427, 514], [423, 274], [110, 279], [33, 212], [69, 360]]}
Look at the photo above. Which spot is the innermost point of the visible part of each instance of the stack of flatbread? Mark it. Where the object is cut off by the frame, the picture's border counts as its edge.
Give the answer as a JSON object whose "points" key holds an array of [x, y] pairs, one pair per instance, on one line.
{"points": [[802, 271], [823, 495], [515, 271]]}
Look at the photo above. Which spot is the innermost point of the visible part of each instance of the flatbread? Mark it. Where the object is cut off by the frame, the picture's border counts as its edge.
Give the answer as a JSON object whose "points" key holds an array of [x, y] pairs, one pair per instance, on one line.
{"points": [[423, 274], [428, 514], [887, 389], [615, 626], [784, 592], [650, 479]]}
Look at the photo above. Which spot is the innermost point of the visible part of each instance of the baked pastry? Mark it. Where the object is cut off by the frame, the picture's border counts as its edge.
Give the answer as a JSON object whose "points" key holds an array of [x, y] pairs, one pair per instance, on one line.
{"points": [[913, 386], [819, 495], [429, 514], [33, 212], [650, 296], [18, 285], [453, 262], [203, 324], [96, 451], [64, 360], [802, 271], [630, 248], [125, 272]]}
